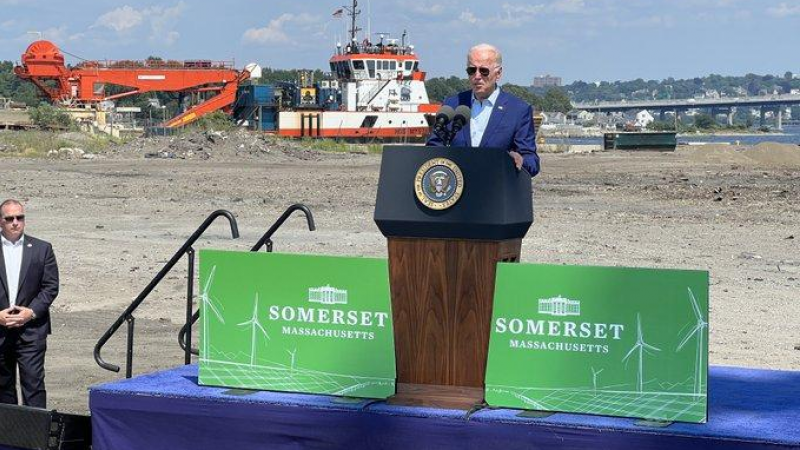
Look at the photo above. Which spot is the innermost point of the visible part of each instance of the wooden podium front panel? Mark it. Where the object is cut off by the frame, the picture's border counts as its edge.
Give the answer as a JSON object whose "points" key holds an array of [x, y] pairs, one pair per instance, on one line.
{"points": [[442, 292]]}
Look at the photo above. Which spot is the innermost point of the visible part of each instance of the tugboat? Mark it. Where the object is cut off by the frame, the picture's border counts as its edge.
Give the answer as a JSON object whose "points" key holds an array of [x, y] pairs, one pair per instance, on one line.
{"points": [[374, 91]]}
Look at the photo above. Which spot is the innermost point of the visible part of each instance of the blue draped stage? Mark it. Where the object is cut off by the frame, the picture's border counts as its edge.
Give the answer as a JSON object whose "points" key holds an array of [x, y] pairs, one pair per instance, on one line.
{"points": [[748, 409]]}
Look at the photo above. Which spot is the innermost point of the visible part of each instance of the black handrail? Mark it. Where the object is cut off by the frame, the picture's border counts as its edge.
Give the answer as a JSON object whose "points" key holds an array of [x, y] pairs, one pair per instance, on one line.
{"points": [[265, 239], [127, 315]]}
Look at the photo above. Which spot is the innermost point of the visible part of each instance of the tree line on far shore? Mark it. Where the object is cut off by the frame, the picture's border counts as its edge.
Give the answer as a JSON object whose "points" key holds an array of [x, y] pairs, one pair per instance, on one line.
{"points": [[556, 99], [671, 88], [17, 90]]}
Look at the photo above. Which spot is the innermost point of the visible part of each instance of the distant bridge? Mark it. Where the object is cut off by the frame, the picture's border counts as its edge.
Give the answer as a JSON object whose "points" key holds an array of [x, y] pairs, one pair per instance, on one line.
{"points": [[725, 104]]}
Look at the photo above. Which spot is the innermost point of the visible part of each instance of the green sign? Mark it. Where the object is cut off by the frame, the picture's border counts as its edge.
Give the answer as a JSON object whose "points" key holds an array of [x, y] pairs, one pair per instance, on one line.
{"points": [[600, 340], [297, 323]]}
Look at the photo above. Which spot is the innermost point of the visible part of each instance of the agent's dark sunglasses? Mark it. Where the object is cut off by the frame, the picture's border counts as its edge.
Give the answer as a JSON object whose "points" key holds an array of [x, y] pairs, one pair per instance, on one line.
{"points": [[10, 219], [485, 71]]}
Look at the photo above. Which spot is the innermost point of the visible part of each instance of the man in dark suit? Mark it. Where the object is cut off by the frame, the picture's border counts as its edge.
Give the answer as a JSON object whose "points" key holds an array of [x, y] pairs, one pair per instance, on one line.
{"points": [[499, 119], [28, 285]]}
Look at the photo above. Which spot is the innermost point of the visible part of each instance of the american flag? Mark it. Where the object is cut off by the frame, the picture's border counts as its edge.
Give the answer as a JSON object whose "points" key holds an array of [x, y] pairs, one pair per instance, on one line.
{"points": [[338, 13]]}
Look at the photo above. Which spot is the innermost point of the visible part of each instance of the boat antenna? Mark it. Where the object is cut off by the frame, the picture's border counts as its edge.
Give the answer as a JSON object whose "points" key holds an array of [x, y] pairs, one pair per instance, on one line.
{"points": [[353, 12]]}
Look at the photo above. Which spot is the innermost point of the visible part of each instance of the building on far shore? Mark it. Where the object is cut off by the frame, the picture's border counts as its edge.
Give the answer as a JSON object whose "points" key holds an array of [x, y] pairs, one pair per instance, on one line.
{"points": [[546, 81]]}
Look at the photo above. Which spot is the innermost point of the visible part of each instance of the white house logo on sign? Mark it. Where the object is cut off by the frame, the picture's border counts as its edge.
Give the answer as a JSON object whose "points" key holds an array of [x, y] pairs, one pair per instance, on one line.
{"points": [[327, 295], [559, 306], [572, 336]]}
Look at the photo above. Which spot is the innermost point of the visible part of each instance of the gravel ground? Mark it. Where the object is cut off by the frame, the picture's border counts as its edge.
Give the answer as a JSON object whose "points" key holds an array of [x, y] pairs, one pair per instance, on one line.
{"points": [[116, 219]]}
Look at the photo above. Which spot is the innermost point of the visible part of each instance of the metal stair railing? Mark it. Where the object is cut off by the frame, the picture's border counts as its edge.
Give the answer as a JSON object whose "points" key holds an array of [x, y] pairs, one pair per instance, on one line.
{"points": [[185, 335], [373, 93], [127, 315]]}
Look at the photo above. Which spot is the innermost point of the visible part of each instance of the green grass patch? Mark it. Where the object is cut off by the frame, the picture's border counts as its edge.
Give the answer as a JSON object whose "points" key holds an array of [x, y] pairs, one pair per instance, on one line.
{"points": [[37, 143], [216, 121], [333, 145]]}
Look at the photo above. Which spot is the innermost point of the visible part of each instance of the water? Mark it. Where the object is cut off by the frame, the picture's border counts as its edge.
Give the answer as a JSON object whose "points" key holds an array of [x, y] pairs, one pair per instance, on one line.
{"points": [[790, 135]]}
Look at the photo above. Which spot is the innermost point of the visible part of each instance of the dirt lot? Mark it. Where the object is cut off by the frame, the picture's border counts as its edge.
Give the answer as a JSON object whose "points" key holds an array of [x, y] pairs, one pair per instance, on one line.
{"points": [[116, 219]]}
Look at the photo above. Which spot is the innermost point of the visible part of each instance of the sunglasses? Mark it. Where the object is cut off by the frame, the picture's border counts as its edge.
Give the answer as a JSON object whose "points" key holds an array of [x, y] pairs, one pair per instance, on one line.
{"points": [[485, 71], [10, 219]]}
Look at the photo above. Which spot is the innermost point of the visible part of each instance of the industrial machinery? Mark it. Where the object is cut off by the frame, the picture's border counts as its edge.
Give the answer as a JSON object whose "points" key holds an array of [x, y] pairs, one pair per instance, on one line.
{"points": [[85, 84]]}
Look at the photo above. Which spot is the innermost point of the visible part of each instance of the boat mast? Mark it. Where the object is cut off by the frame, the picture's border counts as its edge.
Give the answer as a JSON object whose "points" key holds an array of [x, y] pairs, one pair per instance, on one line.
{"points": [[353, 11]]}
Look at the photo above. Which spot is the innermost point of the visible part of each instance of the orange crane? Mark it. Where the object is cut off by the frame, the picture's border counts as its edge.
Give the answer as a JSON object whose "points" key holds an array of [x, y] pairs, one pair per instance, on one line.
{"points": [[43, 65]]}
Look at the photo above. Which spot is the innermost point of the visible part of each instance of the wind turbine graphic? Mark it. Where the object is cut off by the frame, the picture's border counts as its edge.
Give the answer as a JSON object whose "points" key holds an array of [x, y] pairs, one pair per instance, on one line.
{"points": [[595, 373], [293, 355], [642, 348], [698, 333], [254, 325], [208, 304]]}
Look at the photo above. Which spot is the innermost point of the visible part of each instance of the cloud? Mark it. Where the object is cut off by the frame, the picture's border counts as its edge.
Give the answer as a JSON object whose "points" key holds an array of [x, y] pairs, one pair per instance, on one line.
{"points": [[568, 6], [76, 37], [784, 10], [468, 17], [528, 11], [161, 20], [439, 8], [650, 22], [171, 37], [120, 19], [7, 25], [54, 34], [428, 10], [516, 15], [523, 10], [272, 33], [509, 16], [666, 21], [276, 30]]}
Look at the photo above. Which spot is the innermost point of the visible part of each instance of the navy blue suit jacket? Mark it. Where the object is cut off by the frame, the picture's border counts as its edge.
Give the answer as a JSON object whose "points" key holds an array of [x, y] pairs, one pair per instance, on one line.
{"points": [[510, 127], [38, 287]]}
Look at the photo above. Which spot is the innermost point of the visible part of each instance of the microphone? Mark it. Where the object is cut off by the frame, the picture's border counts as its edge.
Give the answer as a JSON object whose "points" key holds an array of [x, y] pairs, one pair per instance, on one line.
{"points": [[461, 117], [443, 117]]}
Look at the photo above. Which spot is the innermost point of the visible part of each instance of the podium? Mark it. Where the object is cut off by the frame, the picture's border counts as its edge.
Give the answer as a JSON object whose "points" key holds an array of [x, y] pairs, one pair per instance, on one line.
{"points": [[450, 215]]}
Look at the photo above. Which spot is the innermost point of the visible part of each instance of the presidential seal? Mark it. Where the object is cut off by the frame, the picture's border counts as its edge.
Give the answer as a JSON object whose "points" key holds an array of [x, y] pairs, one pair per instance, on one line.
{"points": [[439, 183]]}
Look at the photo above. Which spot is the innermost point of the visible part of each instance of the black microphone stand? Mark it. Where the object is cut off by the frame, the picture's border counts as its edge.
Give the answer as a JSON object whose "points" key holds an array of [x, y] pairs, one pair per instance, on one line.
{"points": [[454, 129], [444, 134]]}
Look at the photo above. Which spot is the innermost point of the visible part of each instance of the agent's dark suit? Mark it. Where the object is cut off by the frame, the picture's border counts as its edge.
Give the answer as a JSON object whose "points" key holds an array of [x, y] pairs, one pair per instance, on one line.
{"points": [[25, 347], [510, 127]]}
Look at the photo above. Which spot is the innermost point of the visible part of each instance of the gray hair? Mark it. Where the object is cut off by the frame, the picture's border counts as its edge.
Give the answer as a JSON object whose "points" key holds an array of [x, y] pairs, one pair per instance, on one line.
{"points": [[498, 57]]}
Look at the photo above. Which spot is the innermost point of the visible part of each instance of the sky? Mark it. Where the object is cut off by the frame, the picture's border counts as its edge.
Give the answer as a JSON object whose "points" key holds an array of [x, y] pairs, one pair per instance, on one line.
{"points": [[589, 40]]}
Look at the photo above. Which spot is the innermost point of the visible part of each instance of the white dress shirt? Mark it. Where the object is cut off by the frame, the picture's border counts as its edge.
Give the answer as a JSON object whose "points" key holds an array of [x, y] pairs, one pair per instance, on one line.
{"points": [[12, 256], [481, 111]]}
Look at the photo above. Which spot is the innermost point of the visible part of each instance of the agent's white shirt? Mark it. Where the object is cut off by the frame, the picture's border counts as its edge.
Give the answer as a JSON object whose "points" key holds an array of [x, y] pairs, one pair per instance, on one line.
{"points": [[12, 256]]}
